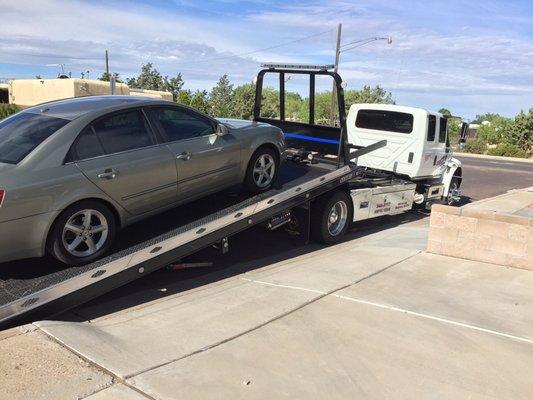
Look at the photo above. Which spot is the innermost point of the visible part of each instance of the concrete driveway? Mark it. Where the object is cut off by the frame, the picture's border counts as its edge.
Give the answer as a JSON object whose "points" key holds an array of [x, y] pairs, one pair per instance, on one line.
{"points": [[374, 318]]}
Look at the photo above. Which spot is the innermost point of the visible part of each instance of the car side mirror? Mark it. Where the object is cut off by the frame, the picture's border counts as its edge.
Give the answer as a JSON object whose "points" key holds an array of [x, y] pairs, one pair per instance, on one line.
{"points": [[221, 130]]}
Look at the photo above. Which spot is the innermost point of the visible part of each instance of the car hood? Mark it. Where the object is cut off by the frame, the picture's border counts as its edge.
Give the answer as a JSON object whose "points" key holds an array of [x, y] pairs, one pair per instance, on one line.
{"points": [[238, 123]]}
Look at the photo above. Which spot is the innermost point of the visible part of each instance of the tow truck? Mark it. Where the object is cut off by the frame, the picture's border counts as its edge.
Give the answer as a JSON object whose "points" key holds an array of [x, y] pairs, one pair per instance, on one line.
{"points": [[321, 189]]}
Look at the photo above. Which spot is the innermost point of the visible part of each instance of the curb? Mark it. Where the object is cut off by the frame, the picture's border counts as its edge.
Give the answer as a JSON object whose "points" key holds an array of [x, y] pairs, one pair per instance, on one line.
{"points": [[513, 159]]}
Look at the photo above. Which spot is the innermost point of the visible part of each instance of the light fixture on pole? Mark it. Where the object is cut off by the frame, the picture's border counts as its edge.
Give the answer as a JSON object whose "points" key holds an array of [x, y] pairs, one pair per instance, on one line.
{"points": [[346, 47]]}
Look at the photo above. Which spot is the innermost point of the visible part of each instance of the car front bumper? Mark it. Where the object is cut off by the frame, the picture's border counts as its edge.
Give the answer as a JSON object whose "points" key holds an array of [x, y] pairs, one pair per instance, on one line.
{"points": [[24, 237]]}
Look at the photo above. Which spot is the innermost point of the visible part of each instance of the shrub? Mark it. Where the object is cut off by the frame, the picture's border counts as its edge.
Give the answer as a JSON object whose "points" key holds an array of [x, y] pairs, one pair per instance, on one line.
{"points": [[507, 150], [8, 109], [476, 146]]}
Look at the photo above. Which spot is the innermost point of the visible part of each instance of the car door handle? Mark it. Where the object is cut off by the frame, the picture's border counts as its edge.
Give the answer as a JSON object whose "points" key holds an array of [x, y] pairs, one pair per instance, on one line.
{"points": [[185, 156], [108, 174]]}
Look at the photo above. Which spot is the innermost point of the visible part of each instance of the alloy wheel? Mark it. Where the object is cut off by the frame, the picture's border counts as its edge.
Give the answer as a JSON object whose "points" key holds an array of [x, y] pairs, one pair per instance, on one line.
{"points": [[264, 170], [85, 233]]}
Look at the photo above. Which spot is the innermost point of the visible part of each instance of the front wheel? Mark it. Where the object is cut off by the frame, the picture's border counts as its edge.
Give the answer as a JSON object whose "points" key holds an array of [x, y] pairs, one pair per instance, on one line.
{"points": [[82, 233], [262, 170], [453, 191], [331, 217]]}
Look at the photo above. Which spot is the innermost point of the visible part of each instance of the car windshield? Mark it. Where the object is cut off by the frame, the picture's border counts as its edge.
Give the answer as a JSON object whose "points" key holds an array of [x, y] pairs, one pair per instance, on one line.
{"points": [[23, 132]]}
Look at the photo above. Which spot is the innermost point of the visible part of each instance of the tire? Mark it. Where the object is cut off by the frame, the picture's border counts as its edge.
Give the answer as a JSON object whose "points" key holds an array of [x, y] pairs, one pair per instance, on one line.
{"points": [[454, 184], [323, 229], [259, 174], [91, 243]]}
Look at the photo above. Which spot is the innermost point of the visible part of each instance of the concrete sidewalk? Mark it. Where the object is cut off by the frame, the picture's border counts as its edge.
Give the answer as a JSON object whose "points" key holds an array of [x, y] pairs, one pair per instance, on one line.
{"points": [[375, 317]]}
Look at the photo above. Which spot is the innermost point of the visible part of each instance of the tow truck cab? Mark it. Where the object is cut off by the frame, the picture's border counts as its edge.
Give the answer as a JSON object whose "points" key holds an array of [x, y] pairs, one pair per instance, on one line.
{"points": [[417, 145]]}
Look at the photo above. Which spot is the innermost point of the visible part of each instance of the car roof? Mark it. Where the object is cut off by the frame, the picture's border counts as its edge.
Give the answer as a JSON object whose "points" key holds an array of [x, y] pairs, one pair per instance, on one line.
{"points": [[75, 107]]}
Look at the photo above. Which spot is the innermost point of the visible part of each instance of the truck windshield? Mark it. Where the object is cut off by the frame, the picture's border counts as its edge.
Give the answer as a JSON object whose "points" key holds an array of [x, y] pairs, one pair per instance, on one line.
{"points": [[23, 132]]}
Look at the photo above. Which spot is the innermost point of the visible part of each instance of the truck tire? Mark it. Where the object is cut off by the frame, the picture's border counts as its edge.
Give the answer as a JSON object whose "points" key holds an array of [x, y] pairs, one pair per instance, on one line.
{"points": [[454, 185], [331, 216]]}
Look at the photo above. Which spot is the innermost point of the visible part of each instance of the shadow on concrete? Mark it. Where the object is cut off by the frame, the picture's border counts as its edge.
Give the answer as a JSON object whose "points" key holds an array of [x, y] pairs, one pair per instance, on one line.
{"points": [[249, 250]]}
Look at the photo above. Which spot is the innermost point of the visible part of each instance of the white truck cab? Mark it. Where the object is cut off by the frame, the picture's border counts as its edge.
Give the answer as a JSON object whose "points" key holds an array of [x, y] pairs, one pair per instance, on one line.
{"points": [[417, 147]]}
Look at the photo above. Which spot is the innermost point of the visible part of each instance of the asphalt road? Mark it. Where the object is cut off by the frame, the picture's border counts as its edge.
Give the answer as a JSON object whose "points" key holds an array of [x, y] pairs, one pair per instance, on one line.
{"points": [[484, 178]]}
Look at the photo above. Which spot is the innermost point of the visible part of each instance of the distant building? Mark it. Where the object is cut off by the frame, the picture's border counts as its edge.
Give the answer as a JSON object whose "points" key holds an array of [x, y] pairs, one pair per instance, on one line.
{"points": [[29, 92]]}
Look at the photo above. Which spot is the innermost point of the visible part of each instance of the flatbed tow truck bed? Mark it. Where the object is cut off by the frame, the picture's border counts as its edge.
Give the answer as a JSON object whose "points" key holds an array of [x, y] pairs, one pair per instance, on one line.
{"points": [[46, 291]]}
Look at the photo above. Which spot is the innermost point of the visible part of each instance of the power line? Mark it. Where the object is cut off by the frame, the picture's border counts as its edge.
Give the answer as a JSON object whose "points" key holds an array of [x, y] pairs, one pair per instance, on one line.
{"points": [[259, 50]]}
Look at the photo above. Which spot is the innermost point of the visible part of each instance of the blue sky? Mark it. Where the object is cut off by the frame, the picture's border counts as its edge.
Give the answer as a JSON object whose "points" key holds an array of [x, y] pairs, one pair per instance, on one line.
{"points": [[470, 57]]}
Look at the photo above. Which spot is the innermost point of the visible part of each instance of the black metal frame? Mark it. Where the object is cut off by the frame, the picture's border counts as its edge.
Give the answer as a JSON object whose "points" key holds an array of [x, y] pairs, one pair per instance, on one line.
{"points": [[326, 134]]}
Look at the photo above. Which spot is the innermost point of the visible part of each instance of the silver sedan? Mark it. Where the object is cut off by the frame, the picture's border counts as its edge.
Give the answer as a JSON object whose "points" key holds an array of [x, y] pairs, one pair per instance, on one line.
{"points": [[73, 172]]}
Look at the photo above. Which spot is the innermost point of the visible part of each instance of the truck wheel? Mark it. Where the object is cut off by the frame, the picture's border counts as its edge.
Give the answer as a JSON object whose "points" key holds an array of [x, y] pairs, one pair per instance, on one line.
{"points": [[82, 233], [331, 217], [262, 170], [454, 186]]}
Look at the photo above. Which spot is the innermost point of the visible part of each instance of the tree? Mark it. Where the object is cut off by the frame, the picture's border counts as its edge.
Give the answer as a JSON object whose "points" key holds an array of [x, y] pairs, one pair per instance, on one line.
{"points": [[445, 112], [243, 101], [368, 95], [200, 101], [485, 117], [221, 98], [521, 131], [106, 77], [496, 131], [151, 79]]}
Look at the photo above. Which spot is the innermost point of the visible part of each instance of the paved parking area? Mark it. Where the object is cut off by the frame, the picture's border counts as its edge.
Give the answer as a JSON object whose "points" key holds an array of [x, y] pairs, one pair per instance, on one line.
{"points": [[375, 317]]}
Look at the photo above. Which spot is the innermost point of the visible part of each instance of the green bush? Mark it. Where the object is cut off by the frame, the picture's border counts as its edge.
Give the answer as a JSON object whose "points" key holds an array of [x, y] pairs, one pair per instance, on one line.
{"points": [[507, 150], [7, 109], [476, 146]]}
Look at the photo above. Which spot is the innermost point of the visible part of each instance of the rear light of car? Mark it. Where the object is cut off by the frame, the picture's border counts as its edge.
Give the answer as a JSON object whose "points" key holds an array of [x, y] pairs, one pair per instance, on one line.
{"points": [[2, 195]]}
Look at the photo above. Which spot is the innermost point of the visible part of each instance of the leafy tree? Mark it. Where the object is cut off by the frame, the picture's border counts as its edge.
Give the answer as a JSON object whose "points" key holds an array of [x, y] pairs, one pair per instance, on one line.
{"points": [[173, 85], [200, 101], [151, 79], [221, 98], [106, 77], [496, 131], [243, 101], [485, 117], [8, 109], [368, 95], [445, 112], [270, 103], [521, 131], [184, 97]]}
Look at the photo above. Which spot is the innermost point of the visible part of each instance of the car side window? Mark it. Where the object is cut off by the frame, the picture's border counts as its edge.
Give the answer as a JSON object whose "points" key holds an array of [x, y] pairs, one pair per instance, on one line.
{"points": [[432, 122], [177, 124], [87, 146], [124, 131]]}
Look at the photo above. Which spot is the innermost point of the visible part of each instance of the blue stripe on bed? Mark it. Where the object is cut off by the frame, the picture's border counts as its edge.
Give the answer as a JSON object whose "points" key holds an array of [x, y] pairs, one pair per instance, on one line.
{"points": [[310, 138]]}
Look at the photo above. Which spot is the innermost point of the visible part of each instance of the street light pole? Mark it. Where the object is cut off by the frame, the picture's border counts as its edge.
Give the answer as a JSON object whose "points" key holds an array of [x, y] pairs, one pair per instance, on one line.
{"points": [[346, 47]]}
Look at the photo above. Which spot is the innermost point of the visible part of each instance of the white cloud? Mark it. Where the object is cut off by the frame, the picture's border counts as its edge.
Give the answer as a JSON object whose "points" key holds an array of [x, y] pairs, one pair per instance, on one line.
{"points": [[452, 66]]}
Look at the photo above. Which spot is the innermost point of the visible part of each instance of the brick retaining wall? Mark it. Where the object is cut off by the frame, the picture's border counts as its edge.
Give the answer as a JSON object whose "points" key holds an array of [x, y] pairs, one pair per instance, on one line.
{"points": [[481, 235]]}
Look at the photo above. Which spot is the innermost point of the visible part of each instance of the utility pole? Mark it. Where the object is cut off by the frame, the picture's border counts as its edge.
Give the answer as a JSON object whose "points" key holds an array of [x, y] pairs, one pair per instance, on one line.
{"points": [[335, 69], [106, 63]]}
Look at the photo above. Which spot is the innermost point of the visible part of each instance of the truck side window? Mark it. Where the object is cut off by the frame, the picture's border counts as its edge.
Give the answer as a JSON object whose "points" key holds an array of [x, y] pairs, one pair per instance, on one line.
{"points": [[382, 120], [442, 130], [432, 122]]}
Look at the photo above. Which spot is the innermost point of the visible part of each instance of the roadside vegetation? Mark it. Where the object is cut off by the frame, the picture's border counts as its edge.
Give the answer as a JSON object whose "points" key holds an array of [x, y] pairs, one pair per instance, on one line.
{"points": [[497, 135]]}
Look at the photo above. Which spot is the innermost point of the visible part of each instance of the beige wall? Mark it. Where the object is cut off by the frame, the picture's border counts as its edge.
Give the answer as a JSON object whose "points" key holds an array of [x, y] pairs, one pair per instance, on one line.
{"points": [[151, 93], [29, 92], [482, 235]]}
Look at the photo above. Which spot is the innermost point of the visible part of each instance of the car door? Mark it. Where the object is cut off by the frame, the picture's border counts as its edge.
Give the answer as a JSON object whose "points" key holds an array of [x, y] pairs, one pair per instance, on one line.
{"points": [[431, 145], [120, 155], [205, 161]]}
